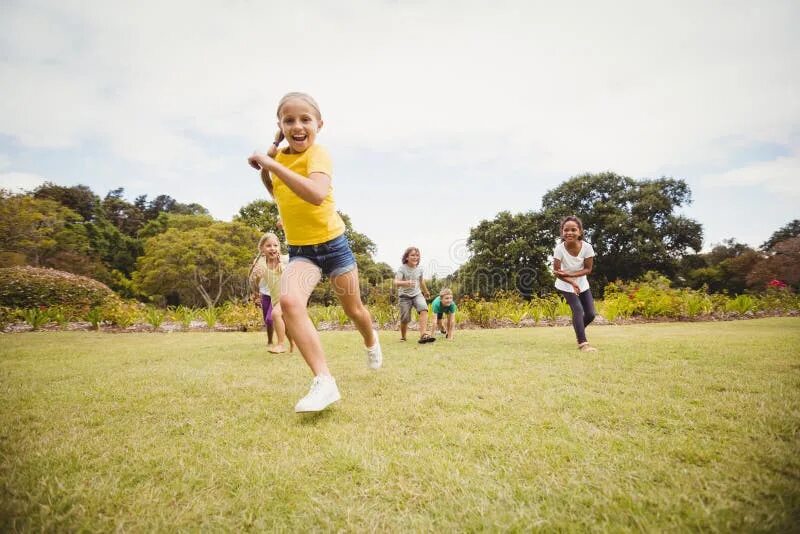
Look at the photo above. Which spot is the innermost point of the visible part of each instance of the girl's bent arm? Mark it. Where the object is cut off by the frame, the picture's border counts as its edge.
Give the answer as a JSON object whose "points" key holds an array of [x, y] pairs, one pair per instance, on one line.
{"points": [[588, 263], [313, 189]]}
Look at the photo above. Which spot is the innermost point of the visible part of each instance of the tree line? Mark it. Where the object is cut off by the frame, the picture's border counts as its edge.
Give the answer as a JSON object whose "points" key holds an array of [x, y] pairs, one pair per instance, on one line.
{"points": [[169, 252], [635, 227]]}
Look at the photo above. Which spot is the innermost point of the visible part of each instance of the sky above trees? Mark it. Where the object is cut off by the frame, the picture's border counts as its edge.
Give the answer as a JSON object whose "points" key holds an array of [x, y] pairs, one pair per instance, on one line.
{"points": [[437, 117]]}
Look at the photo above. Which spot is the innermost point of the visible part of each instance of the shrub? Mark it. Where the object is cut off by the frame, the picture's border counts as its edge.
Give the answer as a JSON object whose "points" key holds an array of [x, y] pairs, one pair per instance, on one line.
{"points": [[184, 316], [35, 317], [95, 317], [242, 316], [154, 317], [9, 316], [32, 287], [122, 313], [209, 315], [741, 304], [59, 315]]}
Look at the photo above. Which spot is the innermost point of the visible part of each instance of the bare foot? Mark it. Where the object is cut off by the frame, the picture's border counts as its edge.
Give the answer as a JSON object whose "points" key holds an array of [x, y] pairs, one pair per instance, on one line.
{"points": [[585, 347], [277, 349]]}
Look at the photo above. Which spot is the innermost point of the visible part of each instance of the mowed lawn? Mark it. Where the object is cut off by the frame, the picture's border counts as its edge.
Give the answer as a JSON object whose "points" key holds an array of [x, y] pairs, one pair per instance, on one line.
{"points": [[681, 426]]}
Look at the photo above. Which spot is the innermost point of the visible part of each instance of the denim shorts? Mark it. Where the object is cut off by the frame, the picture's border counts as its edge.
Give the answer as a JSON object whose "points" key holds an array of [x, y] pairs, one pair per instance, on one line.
{"points": [[334, 257]]}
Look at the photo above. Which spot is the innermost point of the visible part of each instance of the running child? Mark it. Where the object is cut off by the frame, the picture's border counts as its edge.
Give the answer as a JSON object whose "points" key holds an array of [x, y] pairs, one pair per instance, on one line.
{"points": [[443, 305], [267, 273], [573, 259], [411, 287], [299, 178]]}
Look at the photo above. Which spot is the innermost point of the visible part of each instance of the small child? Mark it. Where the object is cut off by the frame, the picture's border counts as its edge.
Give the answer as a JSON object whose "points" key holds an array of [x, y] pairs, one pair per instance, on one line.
{"points": [[573, 259], [409, 280], [299, 177], [442, 305], [268, 272]]}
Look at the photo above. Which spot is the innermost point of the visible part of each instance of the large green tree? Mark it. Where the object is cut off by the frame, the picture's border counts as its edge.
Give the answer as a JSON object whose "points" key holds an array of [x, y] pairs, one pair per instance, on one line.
{"points": [[35, 231], [197, 265], [509, 253], [632, 224], [263, 216], [106, 223], [79, 198]]}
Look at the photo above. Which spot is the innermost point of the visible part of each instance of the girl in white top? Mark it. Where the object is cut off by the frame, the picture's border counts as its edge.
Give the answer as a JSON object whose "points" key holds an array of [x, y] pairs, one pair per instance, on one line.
{"points": [[573, 259]]}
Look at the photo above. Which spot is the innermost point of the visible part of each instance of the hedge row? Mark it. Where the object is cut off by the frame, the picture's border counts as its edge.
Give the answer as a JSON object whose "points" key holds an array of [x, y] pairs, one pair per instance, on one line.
{"points": [[32, 287]]}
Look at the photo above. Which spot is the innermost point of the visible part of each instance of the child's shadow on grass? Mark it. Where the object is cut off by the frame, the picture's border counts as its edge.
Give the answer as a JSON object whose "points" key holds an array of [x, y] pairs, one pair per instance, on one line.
{"points": [[315, 418]]}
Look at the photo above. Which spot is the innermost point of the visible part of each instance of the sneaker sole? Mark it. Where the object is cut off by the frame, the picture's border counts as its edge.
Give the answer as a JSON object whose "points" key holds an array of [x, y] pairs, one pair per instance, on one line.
{"points": [[319, 410]]}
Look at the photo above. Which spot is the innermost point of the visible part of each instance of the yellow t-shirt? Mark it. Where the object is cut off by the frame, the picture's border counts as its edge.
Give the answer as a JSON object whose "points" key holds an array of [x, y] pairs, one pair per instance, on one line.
{"points": [[303, 222]]}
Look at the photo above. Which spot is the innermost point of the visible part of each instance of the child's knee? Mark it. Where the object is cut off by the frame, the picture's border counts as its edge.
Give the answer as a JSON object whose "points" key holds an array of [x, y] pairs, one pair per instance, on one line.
{"points": [[356, 311], [291, 305]]}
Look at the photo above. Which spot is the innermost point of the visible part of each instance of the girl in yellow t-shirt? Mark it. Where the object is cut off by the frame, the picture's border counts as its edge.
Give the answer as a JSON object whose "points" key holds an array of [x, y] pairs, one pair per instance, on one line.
{"points": [[299, 178]]}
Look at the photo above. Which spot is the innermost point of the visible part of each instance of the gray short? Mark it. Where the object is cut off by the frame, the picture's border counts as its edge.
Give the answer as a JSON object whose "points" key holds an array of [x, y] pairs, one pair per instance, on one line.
{"points": [[417, 301]]}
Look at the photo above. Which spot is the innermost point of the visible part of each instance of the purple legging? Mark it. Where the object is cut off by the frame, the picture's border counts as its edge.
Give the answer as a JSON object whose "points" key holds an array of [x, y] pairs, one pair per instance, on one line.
{"points": [[266, 309], [583, 313]]}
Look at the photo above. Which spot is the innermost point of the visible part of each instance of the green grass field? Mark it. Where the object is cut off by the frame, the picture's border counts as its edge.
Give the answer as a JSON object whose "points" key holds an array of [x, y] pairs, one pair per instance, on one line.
{"points": [[671, 427]]}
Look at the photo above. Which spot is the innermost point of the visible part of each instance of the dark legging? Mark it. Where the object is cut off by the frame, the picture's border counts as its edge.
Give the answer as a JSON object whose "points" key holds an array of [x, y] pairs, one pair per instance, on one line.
{"points": [[583, 313]]}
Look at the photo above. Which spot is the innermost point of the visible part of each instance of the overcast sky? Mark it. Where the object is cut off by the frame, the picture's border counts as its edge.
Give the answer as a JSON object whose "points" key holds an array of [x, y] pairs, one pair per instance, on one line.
{"points": [[437, 114]]}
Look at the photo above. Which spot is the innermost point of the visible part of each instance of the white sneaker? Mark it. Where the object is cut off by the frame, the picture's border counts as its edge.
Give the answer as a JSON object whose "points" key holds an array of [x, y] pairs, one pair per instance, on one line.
{"points": [[375, 354], [323, 393]]}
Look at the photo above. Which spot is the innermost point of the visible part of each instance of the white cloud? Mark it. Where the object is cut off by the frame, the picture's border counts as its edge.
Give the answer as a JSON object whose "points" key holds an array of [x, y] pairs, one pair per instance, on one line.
{"points": [[624, 85], [521, 87], [781, 176], [19, 182]]}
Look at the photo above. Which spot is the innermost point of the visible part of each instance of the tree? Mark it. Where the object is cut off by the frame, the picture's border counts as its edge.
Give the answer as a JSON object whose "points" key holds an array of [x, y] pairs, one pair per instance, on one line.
{"points": [[37, 230], [791, 229], [509, 252], [359, 243], [166, 204], [783, 263], [263, 216], [78, 198], [631, 224], [197, 265], [724, 268], [165, 221], [127, 217]]}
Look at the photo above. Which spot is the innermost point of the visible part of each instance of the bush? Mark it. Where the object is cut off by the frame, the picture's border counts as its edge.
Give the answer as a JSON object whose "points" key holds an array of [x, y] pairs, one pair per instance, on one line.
{"points": [[32, 287], [122, 313], [244, 316]]}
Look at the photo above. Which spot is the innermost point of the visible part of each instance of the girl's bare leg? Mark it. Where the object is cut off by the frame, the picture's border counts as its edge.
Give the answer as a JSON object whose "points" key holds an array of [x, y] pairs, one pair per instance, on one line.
{"points": [[297, 283], [280, 330], [347, 289]]}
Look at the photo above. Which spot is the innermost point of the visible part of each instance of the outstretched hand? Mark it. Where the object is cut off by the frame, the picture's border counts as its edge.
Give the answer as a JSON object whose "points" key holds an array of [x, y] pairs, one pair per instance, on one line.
{"points": [[255, 161]]}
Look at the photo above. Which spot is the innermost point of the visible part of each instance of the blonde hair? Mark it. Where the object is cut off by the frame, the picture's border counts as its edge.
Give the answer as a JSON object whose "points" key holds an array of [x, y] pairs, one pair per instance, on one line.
{"points": [[264, 238], [446, 291], [267, 236], [300, 96]]}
